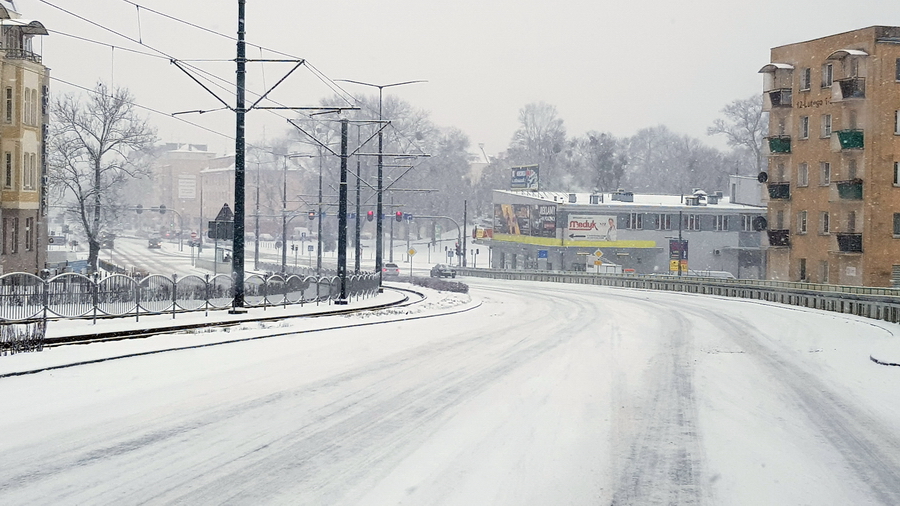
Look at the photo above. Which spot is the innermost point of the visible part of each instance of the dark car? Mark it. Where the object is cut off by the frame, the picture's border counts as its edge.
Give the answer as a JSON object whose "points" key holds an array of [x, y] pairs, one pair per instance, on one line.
{"points": [[390, 270], [154, 243], [443, 271]]}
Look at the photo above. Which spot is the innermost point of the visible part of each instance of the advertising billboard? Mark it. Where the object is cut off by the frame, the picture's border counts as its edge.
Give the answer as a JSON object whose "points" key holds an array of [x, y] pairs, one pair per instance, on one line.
{"points": [[526, 177], [591, 227], [524, 219]]}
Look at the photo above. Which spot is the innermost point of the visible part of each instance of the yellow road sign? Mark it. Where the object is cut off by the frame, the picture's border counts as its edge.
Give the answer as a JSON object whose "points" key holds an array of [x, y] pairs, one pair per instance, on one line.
{"points": [[412, 251]]}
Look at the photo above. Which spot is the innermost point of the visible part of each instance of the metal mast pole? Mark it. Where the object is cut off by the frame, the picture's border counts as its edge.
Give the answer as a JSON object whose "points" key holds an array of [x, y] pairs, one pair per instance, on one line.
{"points": [[379, 213], [284, 245], [356, 262], [237, 257], [319, 224], [342, 217], [256, 228]]}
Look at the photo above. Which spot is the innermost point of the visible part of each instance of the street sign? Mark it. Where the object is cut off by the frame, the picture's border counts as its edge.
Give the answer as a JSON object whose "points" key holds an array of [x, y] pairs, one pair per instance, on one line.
{"points": [[598, 253], [542, 253], [412, 251], [310, 248]]}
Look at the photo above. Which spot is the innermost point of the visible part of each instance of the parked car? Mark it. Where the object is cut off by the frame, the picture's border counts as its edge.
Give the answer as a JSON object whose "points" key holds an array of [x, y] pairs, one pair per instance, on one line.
{"points": [[390, 270], [443, 271]]}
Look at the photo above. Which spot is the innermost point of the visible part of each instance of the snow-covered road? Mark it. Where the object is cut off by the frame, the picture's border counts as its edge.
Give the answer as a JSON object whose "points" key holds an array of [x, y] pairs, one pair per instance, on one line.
{"points": [[544, 394]]}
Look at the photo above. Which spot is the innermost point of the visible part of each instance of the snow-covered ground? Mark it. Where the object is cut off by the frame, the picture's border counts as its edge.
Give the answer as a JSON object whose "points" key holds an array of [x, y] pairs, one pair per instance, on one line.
{"points": [[523, 393]]}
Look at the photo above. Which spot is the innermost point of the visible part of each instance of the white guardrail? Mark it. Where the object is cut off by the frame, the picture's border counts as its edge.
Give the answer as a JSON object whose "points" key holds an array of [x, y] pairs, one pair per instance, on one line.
{"points": [[876, 303]]}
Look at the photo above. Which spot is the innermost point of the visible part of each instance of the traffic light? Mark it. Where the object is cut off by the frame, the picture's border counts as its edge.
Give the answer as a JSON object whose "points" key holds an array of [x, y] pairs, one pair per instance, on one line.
{"points": [[139, 209], [312, 215], [399, 216], [370, 215], [162, 209], [458, 251]]}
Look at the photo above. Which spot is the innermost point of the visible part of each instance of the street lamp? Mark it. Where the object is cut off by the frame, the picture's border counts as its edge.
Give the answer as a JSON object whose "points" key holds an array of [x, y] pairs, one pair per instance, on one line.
{"points": [[379, 206]]}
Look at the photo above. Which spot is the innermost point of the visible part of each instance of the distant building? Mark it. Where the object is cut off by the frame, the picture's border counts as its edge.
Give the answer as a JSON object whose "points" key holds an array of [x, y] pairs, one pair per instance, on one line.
{"points": [[571, 231], [24, 84], [834, 159]]}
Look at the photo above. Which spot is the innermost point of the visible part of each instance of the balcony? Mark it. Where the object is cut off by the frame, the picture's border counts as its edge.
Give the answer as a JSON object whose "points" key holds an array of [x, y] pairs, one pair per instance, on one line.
{"points": [[780, 97], [851, 189], [852, 87], [779, 144], [850, 139], [849, 242], [779, 191], [779, 237], [21, 54]]}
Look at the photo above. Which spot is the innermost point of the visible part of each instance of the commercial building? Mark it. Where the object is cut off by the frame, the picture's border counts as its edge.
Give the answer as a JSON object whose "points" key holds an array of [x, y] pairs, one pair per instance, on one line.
{"points": [[834, 159], [24, 83], [574, 231]]}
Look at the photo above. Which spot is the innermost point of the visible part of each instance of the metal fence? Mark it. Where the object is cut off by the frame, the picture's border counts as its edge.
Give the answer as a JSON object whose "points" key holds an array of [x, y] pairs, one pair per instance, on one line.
{"points": [[25, 296], [870, 302]]}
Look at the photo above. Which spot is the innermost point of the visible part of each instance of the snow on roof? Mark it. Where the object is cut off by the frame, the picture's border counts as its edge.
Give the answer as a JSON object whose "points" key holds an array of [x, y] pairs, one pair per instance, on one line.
{"points": [[639, 200], [771, 67], [843, 53]]}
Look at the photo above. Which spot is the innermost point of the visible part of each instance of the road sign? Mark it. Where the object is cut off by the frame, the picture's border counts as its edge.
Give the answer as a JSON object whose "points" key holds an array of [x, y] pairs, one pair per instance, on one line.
{"points": [[193, 234], [412, 251], [598, 253], [225, 214], [542, 253], [310, 248]]}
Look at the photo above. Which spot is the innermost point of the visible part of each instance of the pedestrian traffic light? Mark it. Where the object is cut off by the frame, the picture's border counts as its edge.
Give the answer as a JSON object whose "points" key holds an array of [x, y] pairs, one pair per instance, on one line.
{"points": [[312, 215], [370, 215], [399, 216]]}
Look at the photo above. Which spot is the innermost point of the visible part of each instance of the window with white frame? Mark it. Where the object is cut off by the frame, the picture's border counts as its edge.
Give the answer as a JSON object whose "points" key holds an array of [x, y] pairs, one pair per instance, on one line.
{"points": [[824, 173], [825, 222], [801, 222], [826, 125], [692, 222], [636, 221], [804, 127], [664, 222], [746, 223], [803, 174], [721, 223], [29, 234], [897, 122], [806, 78], [8, 171], [827, 75], [9, 104], [896, 225]]}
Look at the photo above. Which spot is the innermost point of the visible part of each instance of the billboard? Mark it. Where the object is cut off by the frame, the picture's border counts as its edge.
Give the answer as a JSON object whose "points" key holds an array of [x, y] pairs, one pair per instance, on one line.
{"points": [[591, 227], [678, 255], [187, 187], [525, 219], [525, 178]]}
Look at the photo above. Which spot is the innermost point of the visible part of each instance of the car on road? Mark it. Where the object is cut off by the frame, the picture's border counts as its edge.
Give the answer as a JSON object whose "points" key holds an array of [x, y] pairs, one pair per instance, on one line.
{"points": [[390, 270], [443, 271], [154, 243]]}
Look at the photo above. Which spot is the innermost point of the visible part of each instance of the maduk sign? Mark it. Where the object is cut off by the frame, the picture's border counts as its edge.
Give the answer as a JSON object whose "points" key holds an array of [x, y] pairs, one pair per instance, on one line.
{"points": [[591, 228]]}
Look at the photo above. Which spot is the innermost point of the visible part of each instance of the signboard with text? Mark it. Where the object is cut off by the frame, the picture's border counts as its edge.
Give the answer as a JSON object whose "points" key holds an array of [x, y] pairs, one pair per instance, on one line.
{"points": [[526, 177], [591, 227]]}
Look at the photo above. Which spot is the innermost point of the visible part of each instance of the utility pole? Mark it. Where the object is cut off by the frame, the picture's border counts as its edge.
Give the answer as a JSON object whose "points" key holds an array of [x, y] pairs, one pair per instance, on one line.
{"points": [[356, 262], [342, 217], [464, 233], [237, 255]]}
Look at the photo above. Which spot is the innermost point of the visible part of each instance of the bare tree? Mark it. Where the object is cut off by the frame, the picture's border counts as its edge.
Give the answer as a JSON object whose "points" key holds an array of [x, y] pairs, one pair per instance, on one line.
{"points": [[95, 148], [540, 138], [743, 126]]}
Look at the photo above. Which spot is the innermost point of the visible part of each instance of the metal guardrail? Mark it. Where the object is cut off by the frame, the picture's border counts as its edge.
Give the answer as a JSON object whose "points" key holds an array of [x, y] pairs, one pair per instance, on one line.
{"points": [[25, 297], [869, 302]]}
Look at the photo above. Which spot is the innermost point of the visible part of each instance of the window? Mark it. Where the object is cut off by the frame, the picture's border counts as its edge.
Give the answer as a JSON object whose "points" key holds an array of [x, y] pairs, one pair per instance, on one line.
{"points": [[14, 236], [851, 222], [779, 220], [897, 72], [897, 122], [825, 221], [29, 168], [8, 174], [779, 172], [827, 75], [801, 222], [823, 271], [636, 221], [896, 173], [803, 174], [824, 173], [896, 225], [826, 125], [746, 223], [664, 222], [721, 223], [851, 169], [29, 234], [9, 105], [692, 222], [804, 127], [802, 269], [805, 77]]}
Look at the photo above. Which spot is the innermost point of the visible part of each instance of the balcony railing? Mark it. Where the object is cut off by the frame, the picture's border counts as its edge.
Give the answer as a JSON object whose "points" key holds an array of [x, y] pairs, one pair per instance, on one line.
{"points": [[780, 97], [779, 191], [849, 242], [779, 144], [21, 54], [852, 189], [779, 237], [852, 87], [851, 139]]}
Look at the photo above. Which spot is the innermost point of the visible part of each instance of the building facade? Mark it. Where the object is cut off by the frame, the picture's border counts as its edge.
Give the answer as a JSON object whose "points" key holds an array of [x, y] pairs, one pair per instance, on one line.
{"points": [[24, 84], [834, 159], [573, 231]]}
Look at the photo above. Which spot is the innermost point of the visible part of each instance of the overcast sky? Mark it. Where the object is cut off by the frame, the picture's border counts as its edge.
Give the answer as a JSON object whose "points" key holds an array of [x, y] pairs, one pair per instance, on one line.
{"points": [[608, 66]]}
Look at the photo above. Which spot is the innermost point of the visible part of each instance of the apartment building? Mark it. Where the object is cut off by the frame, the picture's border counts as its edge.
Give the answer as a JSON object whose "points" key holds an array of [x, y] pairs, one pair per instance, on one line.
{"points": [[834, 159], [24, 83]]}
